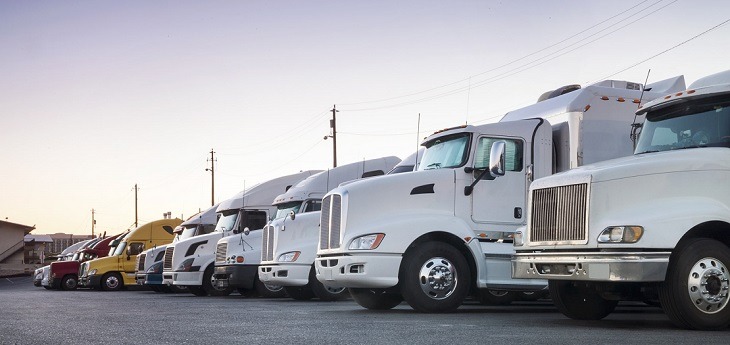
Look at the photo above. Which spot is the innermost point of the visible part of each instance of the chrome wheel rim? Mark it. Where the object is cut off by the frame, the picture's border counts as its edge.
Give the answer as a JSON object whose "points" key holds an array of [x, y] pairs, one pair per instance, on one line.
{"points": [[438, 278], [334, 290], [707, 285], [71, 283], [273, 288], [112, 282]]}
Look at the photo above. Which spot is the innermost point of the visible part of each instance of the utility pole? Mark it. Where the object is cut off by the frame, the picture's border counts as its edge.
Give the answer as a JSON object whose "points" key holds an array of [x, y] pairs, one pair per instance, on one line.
{"points": [[135, 206], [93, 222], [212, 161], [333, 125]]}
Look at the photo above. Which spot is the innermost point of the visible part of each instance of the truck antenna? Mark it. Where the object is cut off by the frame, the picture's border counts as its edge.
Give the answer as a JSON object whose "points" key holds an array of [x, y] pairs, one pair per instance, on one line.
{"points": [[418, 134], [636, 127]]}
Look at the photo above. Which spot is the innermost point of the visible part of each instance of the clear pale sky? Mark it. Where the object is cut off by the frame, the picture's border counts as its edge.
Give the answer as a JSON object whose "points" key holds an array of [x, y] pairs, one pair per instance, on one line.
{"points": [[97, 96]]}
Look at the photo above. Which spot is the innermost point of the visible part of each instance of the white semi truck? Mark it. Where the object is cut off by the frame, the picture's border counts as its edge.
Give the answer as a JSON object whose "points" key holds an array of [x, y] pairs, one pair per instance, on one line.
{"points": [[189, 262], [439, 234], [150, 261], [655, 225], [289, 241]]}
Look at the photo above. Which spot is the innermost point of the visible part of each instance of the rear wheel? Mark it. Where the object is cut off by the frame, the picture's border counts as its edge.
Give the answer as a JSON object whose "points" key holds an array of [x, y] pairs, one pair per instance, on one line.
{"points": [[325, 293], [695, 293], [111, 281], [434, 277], [69, 282], [375, 299], [496, 297], [579, 301]]}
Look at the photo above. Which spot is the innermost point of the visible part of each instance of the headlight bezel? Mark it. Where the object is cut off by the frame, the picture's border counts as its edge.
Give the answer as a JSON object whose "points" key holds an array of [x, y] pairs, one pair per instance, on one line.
{"points": [[621, 234], [366, 242], [289, 256]]}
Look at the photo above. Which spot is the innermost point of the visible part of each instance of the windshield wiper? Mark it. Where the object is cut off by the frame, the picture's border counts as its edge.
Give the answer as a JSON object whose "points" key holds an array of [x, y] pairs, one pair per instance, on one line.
{"points": [[434, 165]]}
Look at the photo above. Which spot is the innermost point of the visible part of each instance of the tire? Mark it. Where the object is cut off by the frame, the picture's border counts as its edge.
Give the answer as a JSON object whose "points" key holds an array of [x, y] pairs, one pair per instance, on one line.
{"points": [[695, 293], [375, 299], [496, 297], [156, 288], [268, 290], [47, 287], [434, 278], [578, 301], [531, 296], [69, 282], [247, 292], [208, 286], [299, 293], [111, 281], [326, 293]]}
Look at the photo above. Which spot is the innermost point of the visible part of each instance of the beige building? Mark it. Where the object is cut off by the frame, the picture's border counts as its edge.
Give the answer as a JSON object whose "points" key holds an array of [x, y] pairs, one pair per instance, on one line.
{"points": [[62, 241], [12, 241]]}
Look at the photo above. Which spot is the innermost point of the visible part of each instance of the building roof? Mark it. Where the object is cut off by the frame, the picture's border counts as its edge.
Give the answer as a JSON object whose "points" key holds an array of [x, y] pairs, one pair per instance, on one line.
{"points": [[38, 238], [26, 228]]}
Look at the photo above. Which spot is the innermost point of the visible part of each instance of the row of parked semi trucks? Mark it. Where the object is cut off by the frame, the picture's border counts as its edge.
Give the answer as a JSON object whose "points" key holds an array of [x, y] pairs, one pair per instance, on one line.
{"points": [[548, 199]]}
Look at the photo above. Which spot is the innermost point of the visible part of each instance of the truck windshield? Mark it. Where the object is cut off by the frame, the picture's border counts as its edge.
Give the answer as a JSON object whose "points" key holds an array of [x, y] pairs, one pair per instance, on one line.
{"points": [[120, 248], [226, 221], [282, 210], [689, 124], [445, 152], [188, 232]]}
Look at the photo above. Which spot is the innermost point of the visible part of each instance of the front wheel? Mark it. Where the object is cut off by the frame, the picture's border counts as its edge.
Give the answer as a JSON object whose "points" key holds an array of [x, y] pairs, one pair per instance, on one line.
{"points": [[299, 293], [579, 301], [268, 290], [496, 297], [375, 299], [112, 281], [212, 289], [69, 282], [325, 293], [435, 278], [695, 293]]}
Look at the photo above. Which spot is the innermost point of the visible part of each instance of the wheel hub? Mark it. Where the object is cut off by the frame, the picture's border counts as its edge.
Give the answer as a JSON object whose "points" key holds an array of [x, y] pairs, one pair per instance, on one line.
{"points": [[438, 278], [708, 285], [112, 282]]}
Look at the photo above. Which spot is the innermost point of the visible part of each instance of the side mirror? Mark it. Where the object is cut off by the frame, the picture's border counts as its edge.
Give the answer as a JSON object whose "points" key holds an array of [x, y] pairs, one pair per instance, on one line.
{"points": [[496, 159], [292, 215], [246, 231]]}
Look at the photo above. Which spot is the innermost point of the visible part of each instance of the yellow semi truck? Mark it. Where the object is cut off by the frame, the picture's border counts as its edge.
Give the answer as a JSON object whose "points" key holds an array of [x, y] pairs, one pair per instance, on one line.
{"points": [[118, 269]]}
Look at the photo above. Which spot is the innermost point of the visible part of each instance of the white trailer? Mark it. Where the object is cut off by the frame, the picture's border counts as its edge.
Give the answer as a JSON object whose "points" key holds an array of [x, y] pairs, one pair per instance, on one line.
{"points": [[436, 235], [189, 263], [653, 226], [289, 241], [150, 262]]}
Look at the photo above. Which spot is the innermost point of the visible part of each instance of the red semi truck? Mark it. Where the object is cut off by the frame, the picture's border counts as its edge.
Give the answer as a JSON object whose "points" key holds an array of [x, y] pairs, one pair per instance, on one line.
{"points": [[64, 274]]}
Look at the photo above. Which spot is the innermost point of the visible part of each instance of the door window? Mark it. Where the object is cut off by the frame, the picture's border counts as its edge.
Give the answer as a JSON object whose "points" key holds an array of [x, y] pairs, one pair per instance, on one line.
{"points": [[513, 153]]}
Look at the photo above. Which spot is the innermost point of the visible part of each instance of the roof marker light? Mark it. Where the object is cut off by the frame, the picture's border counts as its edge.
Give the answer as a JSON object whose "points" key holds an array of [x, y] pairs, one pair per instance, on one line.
{"points": [[604, 98], [586, 108], [621, 99]]}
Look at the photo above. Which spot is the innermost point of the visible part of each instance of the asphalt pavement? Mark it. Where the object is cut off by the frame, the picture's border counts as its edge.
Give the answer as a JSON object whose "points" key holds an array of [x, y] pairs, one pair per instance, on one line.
{"points": [[33, 315]]}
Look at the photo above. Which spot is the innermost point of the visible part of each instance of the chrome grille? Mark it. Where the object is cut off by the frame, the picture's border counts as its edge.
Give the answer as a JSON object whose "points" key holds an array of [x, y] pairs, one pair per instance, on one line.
{"points": [[330, 222], [220, 252], [167, 260], [267, 250], [559, 214], [140, 262]]}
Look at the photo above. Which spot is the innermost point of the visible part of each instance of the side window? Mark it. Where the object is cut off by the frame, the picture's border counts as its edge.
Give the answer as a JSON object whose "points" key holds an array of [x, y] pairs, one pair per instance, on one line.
{"points": [[313, 205], [372, 173], [513, 153], [135, 248], [254, 220]]}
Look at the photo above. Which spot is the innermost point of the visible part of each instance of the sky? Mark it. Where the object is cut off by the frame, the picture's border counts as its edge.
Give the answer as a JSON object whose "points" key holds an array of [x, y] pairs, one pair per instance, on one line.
{"points": [[99, 96]]}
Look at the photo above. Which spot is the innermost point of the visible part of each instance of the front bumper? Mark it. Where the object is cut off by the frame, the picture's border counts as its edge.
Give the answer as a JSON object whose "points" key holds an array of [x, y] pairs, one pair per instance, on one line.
{"points": [[90, 281], [587, 266], [140, 278], [285, 275], [186, 278], [359, 271], [235, 276]]}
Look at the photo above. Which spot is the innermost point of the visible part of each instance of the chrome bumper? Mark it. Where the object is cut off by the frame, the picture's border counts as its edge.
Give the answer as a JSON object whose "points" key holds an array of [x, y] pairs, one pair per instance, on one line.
{"points": [[599, 266]]}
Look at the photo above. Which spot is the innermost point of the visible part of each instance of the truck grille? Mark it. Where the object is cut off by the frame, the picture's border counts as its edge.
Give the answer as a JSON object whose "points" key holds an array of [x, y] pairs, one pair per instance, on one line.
{"points": [[559, 214], [140, 262], [167, 263], [330, 221], [267, 250], [220, 252]]}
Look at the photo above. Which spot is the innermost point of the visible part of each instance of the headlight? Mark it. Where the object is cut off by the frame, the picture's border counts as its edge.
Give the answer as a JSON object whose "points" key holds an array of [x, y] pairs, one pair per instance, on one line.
{"points": [[156, 268], [92, 272], [366, 242], [185, 265], [289, 257], [621, 234]]}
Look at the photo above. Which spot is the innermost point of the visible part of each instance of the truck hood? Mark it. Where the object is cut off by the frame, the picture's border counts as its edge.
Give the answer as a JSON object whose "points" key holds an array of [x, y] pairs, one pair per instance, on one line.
{"points": [[694, 159], [430, 191]]}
